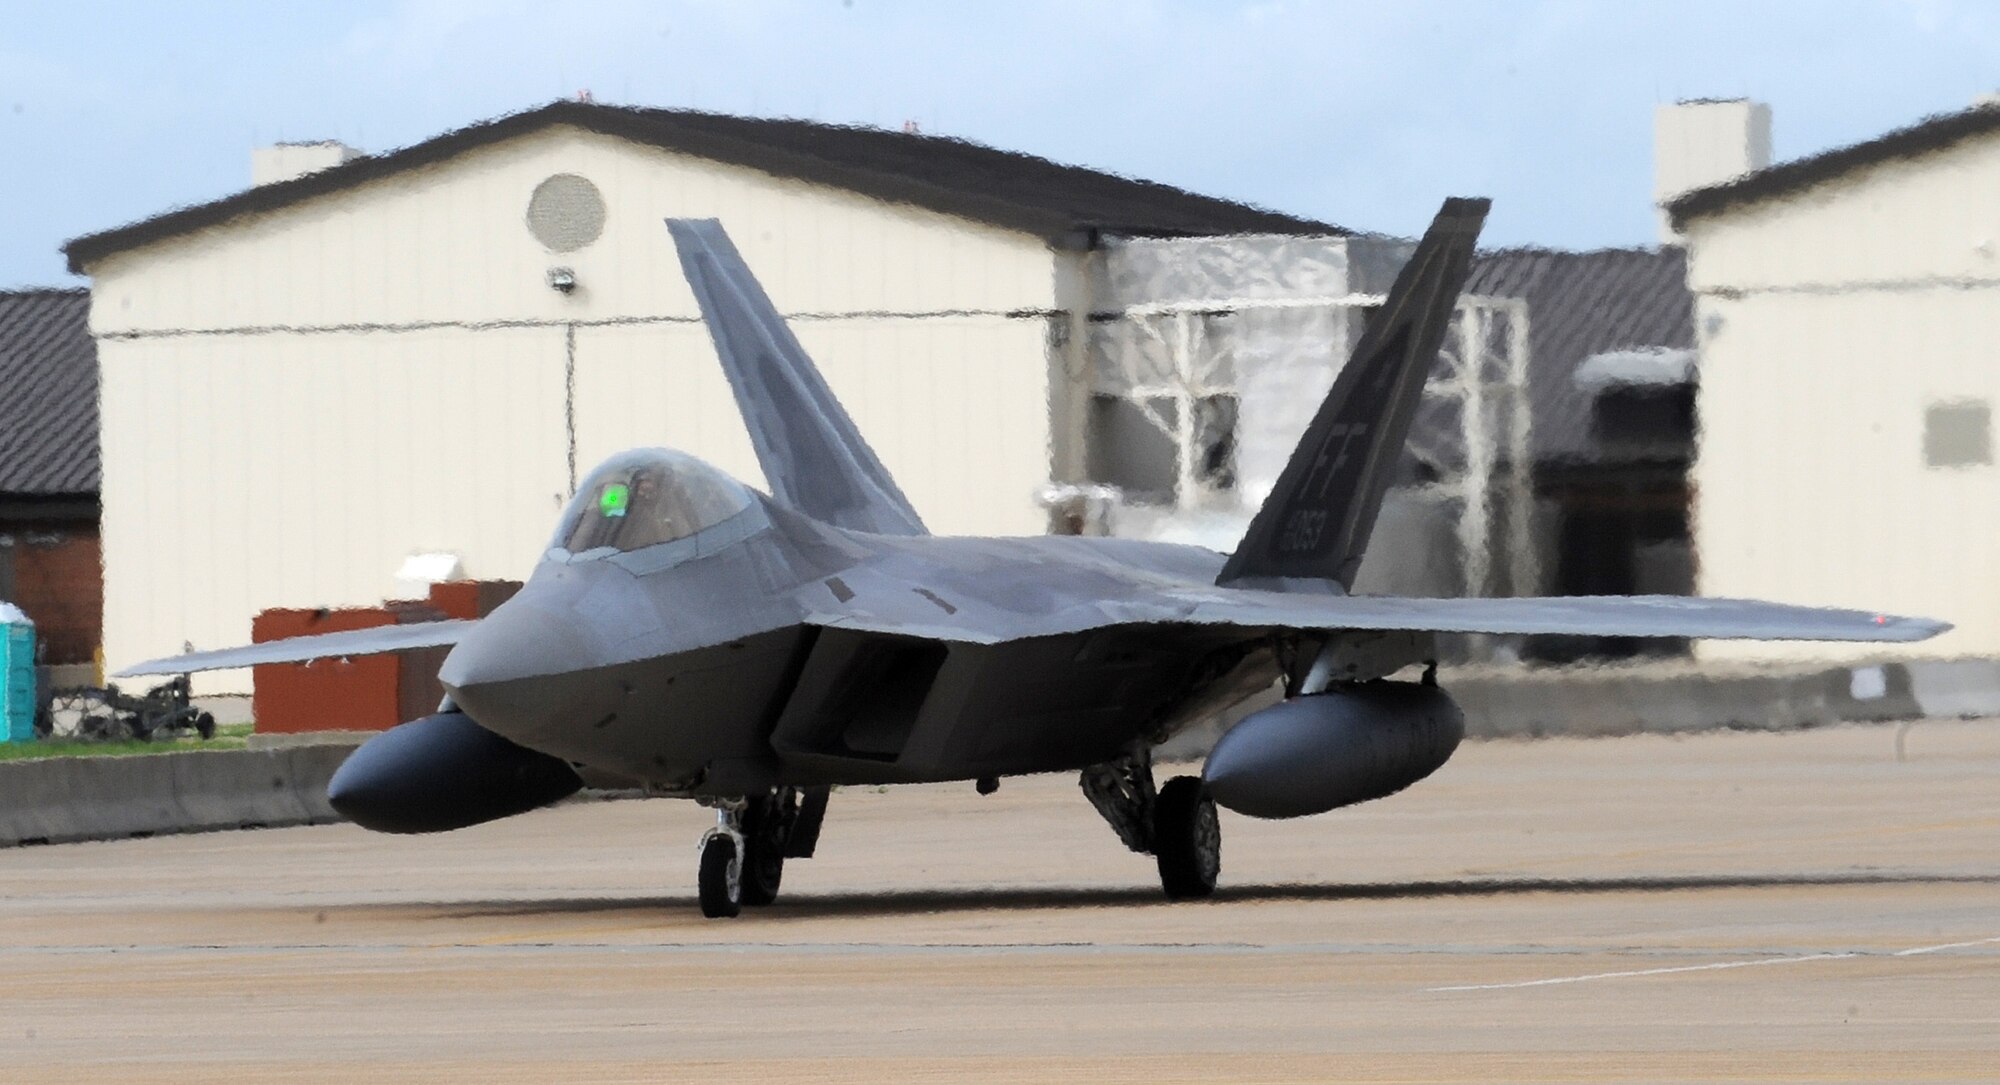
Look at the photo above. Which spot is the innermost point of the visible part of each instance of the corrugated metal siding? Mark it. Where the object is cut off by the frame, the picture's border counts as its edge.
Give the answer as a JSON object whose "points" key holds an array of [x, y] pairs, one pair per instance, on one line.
{"points": [[48, 394], [247, 472], [1579, 304], [957, 407], [657, 384]]}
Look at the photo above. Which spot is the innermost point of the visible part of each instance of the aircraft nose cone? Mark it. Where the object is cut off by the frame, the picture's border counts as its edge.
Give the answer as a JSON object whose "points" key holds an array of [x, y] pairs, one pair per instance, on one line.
{"points": [[518, 640], [525, 673]]}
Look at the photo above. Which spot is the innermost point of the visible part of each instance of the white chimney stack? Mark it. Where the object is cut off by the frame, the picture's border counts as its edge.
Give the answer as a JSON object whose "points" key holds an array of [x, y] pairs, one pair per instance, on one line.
{"points": [[285, 161], [1705, 142]]}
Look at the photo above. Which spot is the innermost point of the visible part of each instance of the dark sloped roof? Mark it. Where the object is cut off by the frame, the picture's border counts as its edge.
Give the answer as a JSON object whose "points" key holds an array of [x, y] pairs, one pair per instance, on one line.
{"points": [[48, 393], [1581, 304], [1930, 134], [954, 176]]}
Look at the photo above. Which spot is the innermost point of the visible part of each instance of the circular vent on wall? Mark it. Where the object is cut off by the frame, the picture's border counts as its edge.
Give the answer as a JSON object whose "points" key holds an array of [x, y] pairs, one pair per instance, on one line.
{"points": [[565, 213]]}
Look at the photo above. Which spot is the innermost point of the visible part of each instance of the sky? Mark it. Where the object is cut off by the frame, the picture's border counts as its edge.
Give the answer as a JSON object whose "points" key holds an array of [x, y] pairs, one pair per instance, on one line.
{"points": [[1361, 114]]}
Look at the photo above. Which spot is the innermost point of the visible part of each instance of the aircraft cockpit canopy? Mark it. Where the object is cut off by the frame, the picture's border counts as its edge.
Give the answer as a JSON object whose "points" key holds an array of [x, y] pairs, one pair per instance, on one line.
{"points": [[645, 497]]}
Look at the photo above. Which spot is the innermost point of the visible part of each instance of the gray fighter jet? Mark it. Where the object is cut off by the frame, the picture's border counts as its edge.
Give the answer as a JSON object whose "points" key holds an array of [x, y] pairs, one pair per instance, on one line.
{"points": [[752, 650]]}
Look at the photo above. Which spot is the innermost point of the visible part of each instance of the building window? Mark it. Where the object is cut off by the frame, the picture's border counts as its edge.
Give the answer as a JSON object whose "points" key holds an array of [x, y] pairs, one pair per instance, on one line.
{"points": [[1649, 415], [1958, 434]]}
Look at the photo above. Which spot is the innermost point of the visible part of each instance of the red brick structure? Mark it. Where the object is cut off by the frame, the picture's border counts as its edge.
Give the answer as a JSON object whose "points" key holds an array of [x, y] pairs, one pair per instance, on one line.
{"points": [[58, 579]]}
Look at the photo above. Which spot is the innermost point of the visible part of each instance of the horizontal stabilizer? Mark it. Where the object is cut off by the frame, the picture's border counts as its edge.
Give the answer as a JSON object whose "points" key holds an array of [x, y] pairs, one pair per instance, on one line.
{"points": [[350, 642]]}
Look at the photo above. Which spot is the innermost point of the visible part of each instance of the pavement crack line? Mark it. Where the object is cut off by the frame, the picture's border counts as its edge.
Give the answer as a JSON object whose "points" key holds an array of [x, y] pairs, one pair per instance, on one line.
{"points": [[1713, 966]]}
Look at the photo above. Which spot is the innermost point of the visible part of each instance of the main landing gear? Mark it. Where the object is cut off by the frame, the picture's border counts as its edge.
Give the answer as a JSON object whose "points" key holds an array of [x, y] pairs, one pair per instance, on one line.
{"points": [[743, 857], [1176, 824]]}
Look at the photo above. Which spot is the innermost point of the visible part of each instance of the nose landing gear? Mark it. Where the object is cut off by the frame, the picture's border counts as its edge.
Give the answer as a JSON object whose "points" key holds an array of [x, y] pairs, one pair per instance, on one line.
{"points": [[743, 857]]}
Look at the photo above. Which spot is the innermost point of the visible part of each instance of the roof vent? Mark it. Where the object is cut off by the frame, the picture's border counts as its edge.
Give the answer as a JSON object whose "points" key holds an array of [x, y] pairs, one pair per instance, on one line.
{"points": [[1706, 141], [566, 213], [289, 161]]}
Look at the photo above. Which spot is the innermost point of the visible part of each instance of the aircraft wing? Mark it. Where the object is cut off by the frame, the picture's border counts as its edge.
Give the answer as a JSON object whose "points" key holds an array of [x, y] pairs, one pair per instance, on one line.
{"points": [[1584, 615], [1598, 615], [350, 642]]}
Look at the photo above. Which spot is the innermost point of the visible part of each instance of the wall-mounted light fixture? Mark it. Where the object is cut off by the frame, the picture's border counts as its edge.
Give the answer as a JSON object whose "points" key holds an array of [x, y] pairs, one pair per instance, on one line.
{"points": [[562, 280]]}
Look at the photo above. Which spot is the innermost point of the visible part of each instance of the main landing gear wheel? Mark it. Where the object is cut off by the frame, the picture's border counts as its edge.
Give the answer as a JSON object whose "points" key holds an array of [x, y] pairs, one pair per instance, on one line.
{"points": [[721, 878], [1187, 839]]}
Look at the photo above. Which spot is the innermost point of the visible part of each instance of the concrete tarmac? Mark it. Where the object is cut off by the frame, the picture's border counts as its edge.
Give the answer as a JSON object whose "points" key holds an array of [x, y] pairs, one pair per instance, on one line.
{"points": [[1796, 906]]}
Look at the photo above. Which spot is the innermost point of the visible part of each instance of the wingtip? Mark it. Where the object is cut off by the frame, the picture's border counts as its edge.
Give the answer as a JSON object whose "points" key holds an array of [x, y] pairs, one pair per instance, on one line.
{"points": [[1914, 628], [1902, 628]]}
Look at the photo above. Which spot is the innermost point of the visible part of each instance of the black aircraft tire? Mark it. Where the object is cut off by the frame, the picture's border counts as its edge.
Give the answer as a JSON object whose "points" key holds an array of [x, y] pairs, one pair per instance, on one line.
{"points": [[762, 871], [767, 824], [721, 889], [1187, 839]]}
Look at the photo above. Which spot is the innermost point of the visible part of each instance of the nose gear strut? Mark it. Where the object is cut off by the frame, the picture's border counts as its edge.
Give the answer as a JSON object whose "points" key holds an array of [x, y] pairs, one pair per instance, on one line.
{"points": [[743, 857]]}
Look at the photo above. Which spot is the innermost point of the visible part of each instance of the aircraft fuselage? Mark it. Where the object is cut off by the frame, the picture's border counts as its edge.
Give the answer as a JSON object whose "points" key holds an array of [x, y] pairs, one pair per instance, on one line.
{"points": [[730, 672]]}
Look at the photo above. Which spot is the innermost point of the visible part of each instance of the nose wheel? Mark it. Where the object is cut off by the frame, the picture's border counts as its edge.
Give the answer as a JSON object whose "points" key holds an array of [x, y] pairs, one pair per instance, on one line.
{"points": [[720, 882], [743, 857]]}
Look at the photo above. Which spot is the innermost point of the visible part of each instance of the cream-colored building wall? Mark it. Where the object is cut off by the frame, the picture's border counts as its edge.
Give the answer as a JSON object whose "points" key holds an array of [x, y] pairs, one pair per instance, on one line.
{"points": [[246, 472], [1811, 484], [409, 321], [639, 385], [957, 407], [1928, 219], [449, 243], [1828, 325]]}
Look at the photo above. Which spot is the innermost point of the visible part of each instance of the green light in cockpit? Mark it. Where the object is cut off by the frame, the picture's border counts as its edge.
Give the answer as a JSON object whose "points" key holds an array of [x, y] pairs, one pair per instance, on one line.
{"points": [[615, 499]]}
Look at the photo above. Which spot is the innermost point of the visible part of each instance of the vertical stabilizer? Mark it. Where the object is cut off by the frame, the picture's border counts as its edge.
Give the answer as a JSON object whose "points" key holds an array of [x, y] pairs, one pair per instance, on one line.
{"points": [[813, 456], [1316, 522]]}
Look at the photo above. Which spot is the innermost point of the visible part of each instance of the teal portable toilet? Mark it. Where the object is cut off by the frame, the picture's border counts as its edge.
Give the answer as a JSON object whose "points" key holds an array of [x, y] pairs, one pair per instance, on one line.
{"points": [[17, 675]]}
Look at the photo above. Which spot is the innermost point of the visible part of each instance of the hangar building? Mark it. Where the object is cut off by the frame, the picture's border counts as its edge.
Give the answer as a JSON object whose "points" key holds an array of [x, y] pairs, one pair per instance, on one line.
{"points": [[1847, 311], [363, 357]]}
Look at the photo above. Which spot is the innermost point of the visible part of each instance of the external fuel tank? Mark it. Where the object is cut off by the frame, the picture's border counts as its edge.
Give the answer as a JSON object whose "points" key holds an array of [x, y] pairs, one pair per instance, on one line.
{"points": [[1350, 744]]}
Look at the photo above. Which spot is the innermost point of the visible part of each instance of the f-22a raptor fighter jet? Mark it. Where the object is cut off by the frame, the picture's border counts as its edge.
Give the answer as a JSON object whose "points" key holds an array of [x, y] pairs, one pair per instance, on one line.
{"points": [[750, 651]]}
